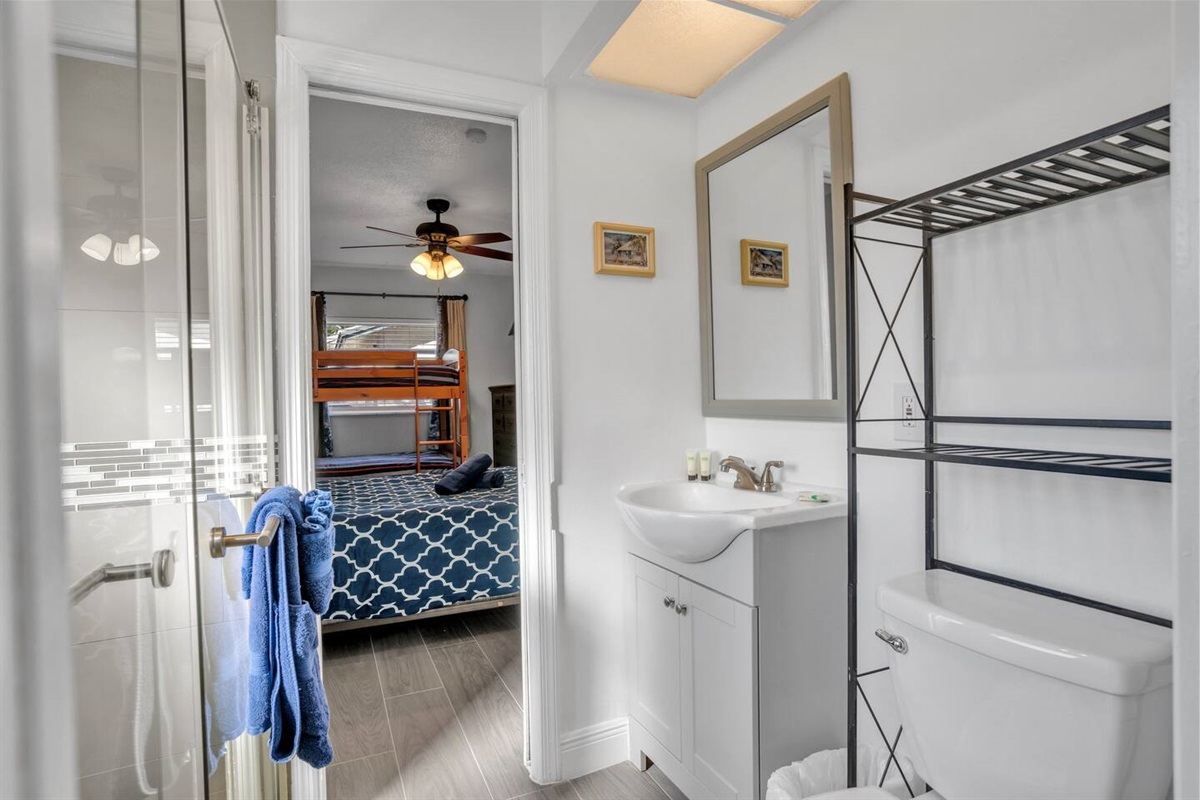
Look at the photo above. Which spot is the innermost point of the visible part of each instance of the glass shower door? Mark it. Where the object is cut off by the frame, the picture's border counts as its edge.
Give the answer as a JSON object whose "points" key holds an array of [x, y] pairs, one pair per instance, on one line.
{"points": [[166, 393]]}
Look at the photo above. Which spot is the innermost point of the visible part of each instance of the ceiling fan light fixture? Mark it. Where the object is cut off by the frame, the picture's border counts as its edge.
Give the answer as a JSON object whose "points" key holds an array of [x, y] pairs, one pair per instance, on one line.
{"points": [[437, 271], [98, 246], [421, 264], [451, 266]]}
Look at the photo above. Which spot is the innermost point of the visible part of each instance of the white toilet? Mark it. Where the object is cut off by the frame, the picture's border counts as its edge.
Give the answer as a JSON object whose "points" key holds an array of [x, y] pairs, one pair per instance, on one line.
{"points": [[1008, 694]]}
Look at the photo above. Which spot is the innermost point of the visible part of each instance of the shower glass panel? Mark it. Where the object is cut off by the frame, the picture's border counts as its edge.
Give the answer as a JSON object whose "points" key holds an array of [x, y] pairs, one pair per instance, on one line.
{"points": [[165, 411]]}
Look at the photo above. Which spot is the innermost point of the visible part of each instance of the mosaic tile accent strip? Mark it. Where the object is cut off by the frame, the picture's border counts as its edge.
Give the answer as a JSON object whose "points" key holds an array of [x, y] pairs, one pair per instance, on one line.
{"points": [[154, 471]]}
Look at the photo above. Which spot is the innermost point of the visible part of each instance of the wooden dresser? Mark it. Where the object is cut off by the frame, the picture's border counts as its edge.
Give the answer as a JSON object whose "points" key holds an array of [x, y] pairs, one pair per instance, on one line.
{"points": [[504, 425]]}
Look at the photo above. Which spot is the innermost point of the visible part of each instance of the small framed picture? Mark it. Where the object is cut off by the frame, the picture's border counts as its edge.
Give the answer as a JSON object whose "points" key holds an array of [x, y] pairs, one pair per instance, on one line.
{"points": [[764, 263], [624, 249]]}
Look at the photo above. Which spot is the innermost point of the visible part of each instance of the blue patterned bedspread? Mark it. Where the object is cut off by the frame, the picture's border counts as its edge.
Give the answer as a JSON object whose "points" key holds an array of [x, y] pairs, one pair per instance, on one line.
{"points": [[400, 548]]}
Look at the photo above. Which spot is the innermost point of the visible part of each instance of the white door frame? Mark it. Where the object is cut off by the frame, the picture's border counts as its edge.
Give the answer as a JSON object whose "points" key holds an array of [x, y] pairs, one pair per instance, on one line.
{"points": [[301, 65]]}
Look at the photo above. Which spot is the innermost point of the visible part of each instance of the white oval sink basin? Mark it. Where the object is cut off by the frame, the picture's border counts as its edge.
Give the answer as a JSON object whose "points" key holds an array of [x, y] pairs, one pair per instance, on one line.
{"points": [[693, 521]]}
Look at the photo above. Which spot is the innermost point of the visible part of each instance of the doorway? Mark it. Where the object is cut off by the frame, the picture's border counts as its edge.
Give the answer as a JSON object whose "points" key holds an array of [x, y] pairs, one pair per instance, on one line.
{"points": [[412, 278]]}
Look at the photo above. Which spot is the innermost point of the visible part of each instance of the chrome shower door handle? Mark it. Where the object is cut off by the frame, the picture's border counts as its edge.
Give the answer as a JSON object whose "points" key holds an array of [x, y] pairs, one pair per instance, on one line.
{"points": [[893, 641]]}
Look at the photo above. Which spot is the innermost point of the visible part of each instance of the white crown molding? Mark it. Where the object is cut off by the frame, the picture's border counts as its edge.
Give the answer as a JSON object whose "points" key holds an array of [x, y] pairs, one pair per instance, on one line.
{"points": [[303, 66]]}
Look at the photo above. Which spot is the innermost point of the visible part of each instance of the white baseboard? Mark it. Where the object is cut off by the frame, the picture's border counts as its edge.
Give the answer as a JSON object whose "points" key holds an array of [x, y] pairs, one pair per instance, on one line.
{"points": [[595, 747]]}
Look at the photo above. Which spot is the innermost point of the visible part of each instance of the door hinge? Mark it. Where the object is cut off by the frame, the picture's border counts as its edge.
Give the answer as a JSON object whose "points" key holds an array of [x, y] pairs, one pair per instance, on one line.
{"points": [[252, 108]]}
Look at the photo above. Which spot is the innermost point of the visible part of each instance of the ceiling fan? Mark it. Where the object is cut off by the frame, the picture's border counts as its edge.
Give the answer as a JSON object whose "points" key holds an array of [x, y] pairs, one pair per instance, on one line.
{"points": [[438, 238]]}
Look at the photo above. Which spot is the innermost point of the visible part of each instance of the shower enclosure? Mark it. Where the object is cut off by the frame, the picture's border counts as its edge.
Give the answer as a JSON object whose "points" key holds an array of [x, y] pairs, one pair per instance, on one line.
{"points": [[166, 413]]}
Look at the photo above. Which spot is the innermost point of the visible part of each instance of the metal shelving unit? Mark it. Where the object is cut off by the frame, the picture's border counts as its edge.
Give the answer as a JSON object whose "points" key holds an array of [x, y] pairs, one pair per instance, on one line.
{"points": [[1120, 155]]}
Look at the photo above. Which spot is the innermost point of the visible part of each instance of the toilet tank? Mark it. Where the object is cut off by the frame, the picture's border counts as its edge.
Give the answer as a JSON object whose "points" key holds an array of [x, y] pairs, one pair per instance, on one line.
{"points": [[1008, 694]]}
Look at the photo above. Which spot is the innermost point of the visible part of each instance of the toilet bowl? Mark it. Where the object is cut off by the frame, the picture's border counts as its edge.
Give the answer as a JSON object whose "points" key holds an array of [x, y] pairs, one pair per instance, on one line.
{"points": [[1006, 694]]}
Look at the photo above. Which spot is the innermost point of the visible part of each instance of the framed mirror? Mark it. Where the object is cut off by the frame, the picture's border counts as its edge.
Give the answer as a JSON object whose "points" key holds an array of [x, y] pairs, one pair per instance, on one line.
{"points": [[771, 220]]}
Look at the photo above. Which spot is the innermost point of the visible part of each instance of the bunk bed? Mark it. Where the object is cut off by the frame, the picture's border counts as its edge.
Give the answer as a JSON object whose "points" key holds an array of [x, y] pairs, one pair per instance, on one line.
{"points": [[437, 386]]}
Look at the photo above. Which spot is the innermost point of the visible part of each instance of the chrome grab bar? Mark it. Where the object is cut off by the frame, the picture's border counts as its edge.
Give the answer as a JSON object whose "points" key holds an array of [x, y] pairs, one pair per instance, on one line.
{"points": [[219, 541], [160, 570]]}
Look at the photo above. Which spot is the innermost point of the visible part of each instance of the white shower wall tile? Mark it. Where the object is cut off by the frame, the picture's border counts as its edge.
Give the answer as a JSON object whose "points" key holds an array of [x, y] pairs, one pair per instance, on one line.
{"points": [[123, 376], [174, 778], [129, 536], [134, 699]]}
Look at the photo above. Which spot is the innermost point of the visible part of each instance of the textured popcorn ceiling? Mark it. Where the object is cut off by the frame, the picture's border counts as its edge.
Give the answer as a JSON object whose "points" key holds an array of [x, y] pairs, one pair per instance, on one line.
{"points": [[375, 165], [681, 47]]}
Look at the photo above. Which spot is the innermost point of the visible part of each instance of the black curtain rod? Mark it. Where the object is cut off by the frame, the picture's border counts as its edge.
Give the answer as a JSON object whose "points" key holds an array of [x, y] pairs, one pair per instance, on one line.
{"points": [[386, 295]]}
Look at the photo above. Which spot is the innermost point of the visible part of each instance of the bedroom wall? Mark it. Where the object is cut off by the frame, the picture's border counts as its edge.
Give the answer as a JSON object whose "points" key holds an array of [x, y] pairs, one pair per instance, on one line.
{"points": [[491, 351], [912, 133]]}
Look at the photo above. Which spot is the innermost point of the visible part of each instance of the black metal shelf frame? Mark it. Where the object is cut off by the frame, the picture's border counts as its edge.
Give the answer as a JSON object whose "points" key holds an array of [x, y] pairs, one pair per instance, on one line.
{"points": [[1124, 154]]}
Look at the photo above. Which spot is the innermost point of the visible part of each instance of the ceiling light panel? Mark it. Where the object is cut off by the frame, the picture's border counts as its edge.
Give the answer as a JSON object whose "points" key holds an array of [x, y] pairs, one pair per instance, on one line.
{"points": [[792, 9], [680, 47]]}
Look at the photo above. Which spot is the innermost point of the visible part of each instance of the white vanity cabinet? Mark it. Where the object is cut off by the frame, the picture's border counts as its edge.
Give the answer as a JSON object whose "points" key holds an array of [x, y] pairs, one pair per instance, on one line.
{"points": [[737, 664], [692, 685]]}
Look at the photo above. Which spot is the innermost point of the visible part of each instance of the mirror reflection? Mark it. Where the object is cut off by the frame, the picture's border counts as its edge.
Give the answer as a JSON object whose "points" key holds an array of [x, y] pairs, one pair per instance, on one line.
{"points": [[772, 262]]}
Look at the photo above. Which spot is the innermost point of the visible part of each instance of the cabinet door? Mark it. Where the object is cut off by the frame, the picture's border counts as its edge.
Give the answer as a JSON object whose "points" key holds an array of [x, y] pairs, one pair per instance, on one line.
{"points": [[655, 691], [719, 655]]}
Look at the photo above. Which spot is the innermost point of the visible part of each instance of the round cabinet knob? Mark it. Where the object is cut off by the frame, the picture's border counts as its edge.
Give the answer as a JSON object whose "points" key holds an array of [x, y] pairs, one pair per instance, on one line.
{"points": [[681, 609], [669, 602]]}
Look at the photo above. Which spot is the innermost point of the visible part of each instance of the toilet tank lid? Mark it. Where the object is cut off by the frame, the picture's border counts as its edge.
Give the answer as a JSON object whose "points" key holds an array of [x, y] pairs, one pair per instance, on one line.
{"points": [[1086, 646]]}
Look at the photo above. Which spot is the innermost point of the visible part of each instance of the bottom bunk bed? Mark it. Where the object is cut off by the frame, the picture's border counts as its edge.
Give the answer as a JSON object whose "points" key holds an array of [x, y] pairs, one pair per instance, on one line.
{"points": [[348, 466], [400, 549]]}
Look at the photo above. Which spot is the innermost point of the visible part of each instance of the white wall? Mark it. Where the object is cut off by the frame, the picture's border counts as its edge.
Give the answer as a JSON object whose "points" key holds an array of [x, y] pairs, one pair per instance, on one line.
{"points": [[628, 361], [490, 351], [926, 110], [502, 39]]}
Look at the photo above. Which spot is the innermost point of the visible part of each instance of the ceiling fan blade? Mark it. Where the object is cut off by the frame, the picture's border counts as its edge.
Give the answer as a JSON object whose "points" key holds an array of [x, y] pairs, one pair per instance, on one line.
{"points": [[486, 252], [394, 233], [361, 246], [480, 238]]}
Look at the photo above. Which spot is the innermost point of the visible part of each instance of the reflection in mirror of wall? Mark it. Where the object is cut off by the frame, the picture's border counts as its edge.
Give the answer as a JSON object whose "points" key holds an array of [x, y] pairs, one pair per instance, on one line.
{"points": [[770, 208]]}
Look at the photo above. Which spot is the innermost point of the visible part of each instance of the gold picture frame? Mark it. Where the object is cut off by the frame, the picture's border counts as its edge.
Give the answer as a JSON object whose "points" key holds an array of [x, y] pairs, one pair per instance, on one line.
{"points": [[623, 249], [764, 263]]}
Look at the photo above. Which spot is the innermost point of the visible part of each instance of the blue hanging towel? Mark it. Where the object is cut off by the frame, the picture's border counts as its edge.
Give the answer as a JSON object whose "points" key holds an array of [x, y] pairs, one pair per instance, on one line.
{"points": [[289, 584]]}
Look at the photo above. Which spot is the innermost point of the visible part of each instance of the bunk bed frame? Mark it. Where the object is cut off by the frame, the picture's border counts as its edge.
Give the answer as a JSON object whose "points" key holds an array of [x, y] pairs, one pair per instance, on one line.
{"points": [[398, 373], [1120, 155]]}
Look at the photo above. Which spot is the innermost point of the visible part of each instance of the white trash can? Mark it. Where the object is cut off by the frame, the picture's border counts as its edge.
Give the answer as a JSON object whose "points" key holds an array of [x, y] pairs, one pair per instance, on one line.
{"points": [[826, 772]]}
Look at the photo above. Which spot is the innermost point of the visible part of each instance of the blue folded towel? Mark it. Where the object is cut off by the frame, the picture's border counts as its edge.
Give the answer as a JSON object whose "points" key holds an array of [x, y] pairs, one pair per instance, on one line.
{"points": [[464, 478], [285, 582], [492, 479]]}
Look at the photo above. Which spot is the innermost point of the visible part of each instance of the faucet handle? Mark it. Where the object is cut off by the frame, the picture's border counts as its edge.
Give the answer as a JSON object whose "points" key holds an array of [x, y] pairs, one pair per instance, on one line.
{"points": [[768, 480], [736, 459]]}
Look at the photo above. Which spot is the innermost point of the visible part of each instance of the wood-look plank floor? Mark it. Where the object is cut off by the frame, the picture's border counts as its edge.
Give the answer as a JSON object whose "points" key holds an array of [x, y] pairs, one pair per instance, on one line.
{"points": [[432, 711]]}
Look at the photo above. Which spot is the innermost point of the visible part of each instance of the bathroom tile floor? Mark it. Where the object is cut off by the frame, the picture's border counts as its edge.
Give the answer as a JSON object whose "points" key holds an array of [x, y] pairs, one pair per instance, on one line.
{"points": [[431, 711]]}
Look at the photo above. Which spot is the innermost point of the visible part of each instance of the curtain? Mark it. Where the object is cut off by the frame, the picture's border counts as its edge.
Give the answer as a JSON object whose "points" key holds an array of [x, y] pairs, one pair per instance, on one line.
{"points": [[451, 335], [324, 428]]}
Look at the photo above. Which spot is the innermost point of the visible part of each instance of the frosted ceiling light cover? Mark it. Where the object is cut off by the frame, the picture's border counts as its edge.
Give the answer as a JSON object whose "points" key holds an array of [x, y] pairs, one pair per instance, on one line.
{"points": [[98, 246], [680, 47], [421, 263], [148, 249], [792, 9], [125, 254], [452, 266]]}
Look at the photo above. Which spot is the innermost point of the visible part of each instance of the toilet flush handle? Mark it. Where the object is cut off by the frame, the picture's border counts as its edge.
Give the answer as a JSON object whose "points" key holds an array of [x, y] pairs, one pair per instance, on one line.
{"points": [[895, 642]]}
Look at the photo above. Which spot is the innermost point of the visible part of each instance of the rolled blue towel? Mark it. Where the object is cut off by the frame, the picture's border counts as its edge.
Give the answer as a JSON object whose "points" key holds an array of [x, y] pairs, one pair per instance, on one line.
{"points": [[464, 478], [492, 479]]}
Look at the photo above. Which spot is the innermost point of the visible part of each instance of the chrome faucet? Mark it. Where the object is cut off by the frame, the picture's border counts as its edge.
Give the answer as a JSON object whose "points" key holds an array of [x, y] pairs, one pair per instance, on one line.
{"points": [[747, 478]]}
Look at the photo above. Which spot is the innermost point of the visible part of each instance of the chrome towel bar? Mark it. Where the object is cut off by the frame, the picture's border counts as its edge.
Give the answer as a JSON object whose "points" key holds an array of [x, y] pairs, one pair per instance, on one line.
{"points": [[160, 570], [219, 541]]}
